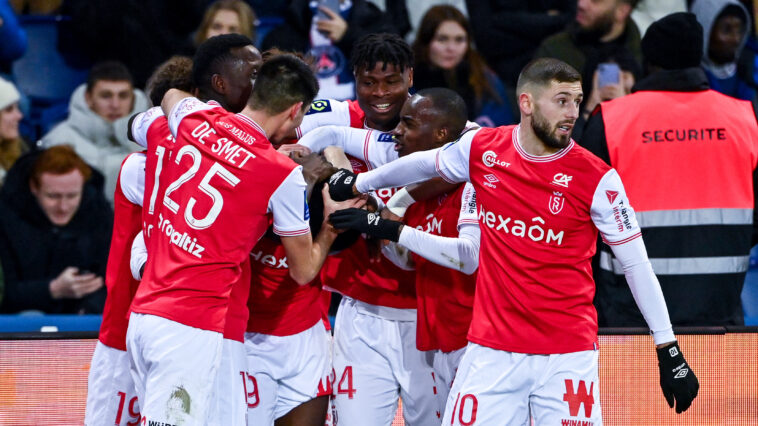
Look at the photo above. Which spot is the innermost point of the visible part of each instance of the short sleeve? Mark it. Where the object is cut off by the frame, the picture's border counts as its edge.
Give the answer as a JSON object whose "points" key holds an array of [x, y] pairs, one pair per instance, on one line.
{"points": [[289, 206], [324, 112], [140, 124], [132, 178], [611, 212], [184, 108], [467, 215], [452, 162]]}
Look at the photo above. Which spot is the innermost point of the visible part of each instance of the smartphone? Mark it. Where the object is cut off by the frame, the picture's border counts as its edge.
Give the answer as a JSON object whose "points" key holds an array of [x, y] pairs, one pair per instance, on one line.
{"points": [[608, 73], [333, 5]]}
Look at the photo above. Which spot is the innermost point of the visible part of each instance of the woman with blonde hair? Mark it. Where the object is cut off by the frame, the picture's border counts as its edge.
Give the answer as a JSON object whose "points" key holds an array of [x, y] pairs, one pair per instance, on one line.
{"points": [[11, 144], [226, 17]]}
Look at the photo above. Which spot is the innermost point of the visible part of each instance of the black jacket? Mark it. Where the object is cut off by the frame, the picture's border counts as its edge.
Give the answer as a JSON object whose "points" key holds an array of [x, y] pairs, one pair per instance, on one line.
{"points": [[365, 18], [33, 251], [693, 299]]}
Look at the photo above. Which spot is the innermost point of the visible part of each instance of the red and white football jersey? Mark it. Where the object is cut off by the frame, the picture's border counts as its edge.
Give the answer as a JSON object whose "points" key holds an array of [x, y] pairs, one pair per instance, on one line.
{"points": [[445, 296], [349, 272], [324, 112], [222, 183], [278, 305], [150, 129], [127, 223], [539, 217]]}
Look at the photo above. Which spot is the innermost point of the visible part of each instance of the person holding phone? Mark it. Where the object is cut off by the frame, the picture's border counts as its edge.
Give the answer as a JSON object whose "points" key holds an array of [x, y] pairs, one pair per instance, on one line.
{"points": [[328, 30]]}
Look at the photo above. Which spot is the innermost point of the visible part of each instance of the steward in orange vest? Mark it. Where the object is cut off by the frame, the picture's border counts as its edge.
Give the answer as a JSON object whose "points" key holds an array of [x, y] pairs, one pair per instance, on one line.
{"points": [[687, 156]]}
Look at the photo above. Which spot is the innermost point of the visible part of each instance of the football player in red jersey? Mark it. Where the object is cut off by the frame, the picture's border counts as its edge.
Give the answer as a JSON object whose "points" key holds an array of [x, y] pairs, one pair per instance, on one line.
{"points": [[205, 231], [442, 234], [541, 201]]}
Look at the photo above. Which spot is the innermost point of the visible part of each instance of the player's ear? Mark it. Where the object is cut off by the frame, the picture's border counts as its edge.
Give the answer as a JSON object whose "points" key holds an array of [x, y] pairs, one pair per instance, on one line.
{"points": [[295, 110], [218, 84], [410, 77], [526, 103]]}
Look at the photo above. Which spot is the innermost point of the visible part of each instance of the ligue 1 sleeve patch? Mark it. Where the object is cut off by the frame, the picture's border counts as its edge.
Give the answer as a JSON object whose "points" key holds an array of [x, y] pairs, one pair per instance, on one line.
{"points": [[385, 137], [319, 105], [306, 210]]}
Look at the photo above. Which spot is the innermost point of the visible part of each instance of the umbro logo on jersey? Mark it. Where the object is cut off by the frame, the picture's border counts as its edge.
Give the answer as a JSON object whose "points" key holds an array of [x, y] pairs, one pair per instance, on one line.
{"points": [[561, 180], [491, 179], [611, 196], [489, 159]]}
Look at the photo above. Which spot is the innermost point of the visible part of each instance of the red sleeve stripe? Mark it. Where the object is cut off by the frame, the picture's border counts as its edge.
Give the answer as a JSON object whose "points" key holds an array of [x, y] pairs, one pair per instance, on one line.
{"points": [[292, 233], [365, 149], [298, 132], [462, 221], [625, 240]]}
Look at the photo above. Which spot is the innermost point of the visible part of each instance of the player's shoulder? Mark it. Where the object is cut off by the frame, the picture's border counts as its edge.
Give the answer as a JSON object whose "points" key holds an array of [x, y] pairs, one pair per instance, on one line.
{"points": [[586, 159]]}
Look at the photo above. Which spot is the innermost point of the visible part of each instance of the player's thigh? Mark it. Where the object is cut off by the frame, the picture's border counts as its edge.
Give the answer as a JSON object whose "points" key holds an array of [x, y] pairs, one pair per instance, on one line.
{"points": [[182, 368], [265, 363], [570, 393], [445, 365], [414, 372], [228, 404], [111, 397], [310, 371], [309, 413], [365, 389], [491, 387]]}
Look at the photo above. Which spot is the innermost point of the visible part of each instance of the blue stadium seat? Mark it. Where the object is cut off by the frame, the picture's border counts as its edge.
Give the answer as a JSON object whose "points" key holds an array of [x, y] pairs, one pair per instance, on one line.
{"points": [[265, 24], [750, 290], [43, 74]]}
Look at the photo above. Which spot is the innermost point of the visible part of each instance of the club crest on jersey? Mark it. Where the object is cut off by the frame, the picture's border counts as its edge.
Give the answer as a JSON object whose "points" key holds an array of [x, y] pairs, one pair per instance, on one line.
{"points": [[611, 196], [561, 180], [320, 105], [385, 137], [556, 202], [489, 158]]}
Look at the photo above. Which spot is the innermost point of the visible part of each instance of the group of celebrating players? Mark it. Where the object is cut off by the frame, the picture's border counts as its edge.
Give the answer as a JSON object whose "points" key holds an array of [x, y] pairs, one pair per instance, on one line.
{"points": [[467, 294]]}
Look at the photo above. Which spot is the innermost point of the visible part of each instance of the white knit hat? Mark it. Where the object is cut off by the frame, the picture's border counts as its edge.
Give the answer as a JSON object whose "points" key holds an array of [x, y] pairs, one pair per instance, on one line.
{"points": [[8, 93]]}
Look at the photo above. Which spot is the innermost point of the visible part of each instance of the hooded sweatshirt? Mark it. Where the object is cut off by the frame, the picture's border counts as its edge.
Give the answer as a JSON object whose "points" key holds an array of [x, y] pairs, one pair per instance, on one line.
{"points": [[101, 143], [33, 251], [722, 78]]}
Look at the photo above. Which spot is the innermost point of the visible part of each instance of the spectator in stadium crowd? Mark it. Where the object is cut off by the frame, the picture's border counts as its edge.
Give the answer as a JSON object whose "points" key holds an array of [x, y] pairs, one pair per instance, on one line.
{"points": [[96, 125], [329, 36], [629, 71], [13, 38], [688, 157], [55, 228], [601, 27], [226, 17], [648, 11], [508, 33], [37, 7], [11, 143], [445, 57], [725, 31]]}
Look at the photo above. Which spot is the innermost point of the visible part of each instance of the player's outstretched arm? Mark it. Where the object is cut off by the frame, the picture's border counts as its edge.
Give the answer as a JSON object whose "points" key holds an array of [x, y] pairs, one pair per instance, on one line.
{"points": [[305, 256], [139, 256], [615, 219], [171, 98]]}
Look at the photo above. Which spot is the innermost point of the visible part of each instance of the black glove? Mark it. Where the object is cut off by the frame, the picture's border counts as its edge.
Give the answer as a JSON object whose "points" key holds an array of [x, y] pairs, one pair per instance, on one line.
{"points": [[341, 185], [368, 223], [678, 381]]}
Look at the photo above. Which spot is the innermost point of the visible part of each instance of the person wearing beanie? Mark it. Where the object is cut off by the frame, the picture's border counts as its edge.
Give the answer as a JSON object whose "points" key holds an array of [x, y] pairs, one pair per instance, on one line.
{"points": [[11, 143], [687, 155], [725, 32]]}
